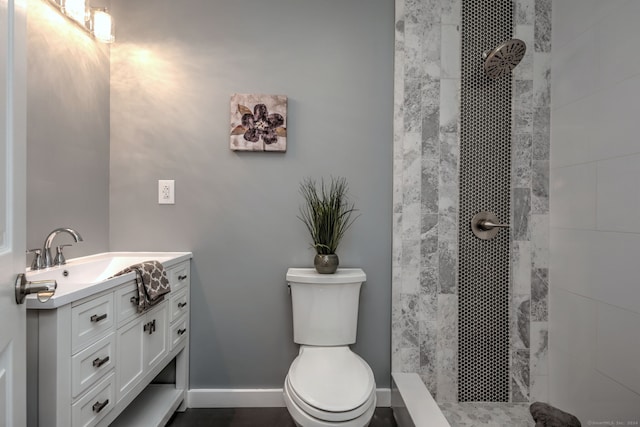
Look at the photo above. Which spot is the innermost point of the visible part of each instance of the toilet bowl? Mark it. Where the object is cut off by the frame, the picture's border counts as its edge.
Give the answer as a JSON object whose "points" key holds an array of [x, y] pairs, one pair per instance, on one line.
{"points": [[327, 383], [330, 386]]}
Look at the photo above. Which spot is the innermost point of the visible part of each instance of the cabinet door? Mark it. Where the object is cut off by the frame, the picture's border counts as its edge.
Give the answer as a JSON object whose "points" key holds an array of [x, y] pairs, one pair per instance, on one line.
{"points": [[156, 337], [130, 361]]}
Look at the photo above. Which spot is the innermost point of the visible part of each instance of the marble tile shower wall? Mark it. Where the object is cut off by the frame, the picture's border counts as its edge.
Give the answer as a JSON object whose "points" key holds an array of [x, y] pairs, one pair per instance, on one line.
{"points": [[426, 159]]}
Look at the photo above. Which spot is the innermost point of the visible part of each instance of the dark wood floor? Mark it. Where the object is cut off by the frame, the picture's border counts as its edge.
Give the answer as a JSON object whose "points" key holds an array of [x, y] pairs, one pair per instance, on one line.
{"points": [[256, 417]]}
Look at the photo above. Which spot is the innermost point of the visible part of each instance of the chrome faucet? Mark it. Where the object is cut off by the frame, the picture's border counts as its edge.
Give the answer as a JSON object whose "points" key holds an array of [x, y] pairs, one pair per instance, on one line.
{"points": [[47, 260]]}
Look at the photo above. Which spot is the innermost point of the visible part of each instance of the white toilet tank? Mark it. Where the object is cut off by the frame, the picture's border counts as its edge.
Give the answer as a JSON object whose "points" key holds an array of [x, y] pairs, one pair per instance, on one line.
{"points": [[325, 306]]}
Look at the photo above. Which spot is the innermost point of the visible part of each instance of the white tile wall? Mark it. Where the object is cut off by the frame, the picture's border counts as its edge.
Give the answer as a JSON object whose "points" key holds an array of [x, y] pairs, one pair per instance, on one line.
{"points": [[573, 196], [575, 125], [616, 120], [619, 194], [570, 260], [575, 70], [573, 328], [573, 17], [618, 353], [569, 381], [616, 36], [616, 270], [608, 396], [594, 306]]}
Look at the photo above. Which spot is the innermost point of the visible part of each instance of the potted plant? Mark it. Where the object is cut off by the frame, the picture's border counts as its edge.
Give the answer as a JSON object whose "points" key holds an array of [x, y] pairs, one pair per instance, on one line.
{"points": [[327, 214]]}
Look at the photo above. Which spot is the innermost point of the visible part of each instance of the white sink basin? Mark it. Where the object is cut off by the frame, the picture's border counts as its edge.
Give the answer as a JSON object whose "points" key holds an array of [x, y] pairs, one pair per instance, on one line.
{"points": [[82, 277]]}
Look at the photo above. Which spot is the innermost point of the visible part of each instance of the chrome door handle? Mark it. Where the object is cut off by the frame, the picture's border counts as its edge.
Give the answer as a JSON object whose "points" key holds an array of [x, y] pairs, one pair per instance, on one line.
{"points": [[44, 289]]}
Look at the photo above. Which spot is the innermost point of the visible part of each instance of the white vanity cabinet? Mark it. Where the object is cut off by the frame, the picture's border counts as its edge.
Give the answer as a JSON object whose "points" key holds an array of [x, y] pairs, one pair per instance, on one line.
{"points": [[96, 357], [141, 344]]}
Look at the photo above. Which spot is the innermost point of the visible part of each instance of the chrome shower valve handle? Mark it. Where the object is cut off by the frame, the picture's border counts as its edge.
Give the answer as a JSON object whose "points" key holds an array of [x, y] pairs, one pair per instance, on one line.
{"points": [[486, 225]]}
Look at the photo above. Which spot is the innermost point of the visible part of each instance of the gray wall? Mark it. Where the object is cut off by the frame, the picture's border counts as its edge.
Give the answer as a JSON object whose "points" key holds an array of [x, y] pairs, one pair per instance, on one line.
{"points": [[67, 132], [174, 67]]}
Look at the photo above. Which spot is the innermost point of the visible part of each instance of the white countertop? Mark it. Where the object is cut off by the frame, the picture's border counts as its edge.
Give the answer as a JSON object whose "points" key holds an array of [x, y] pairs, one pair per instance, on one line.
{"points": [[89, 275]]}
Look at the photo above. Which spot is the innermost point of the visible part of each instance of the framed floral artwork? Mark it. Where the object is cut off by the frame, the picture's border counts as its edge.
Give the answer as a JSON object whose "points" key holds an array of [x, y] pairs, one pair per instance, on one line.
{"points": [[258, 122]]}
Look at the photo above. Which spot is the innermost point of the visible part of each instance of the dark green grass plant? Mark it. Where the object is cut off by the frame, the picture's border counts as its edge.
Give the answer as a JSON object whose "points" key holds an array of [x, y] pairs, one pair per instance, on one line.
{"points": [[327, 212]]}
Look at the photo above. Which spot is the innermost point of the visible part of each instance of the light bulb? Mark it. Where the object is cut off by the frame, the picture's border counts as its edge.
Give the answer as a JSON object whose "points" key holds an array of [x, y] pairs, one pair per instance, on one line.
{"points": [[102, 26], [76, 10]]}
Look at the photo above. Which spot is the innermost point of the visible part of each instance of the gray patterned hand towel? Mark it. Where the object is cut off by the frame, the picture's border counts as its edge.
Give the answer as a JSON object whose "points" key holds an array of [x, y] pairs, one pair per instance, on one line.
{"points": [[152, 283]]}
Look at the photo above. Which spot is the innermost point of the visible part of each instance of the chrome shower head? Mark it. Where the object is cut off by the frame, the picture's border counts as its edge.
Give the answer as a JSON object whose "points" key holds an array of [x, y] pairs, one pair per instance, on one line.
{"points": [[500, 61]]}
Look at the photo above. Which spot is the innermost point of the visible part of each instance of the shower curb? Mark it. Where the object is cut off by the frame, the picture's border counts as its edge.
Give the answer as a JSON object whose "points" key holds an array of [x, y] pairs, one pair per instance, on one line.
{"points": [[413, 405]]}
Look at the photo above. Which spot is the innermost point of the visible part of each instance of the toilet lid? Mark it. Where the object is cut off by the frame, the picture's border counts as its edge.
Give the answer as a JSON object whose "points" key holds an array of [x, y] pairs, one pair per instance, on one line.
{"points": [[332, 379]]}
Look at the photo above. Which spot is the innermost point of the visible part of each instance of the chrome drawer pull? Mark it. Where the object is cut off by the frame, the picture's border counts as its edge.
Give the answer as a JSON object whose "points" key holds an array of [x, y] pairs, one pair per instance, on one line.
{"points": [[97, 407], [181, 278], [182, 304], [99, 362], [96, 318], [182, 331]]}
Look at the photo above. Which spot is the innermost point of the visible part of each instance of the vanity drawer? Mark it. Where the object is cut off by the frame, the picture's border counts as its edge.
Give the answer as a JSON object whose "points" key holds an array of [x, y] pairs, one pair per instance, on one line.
{"points": [[126, 303], [92, 363], [179, 332], [93, 406], [178, 305], [90, 320], [178, 276]]}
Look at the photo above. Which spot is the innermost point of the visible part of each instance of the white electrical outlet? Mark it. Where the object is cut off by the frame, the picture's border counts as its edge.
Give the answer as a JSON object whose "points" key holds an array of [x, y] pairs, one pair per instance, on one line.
{"points": [[166, 192]]}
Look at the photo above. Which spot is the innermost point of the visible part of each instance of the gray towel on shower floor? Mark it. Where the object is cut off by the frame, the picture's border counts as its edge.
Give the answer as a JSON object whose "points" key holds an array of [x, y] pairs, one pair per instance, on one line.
{"points": [[546, 415]]}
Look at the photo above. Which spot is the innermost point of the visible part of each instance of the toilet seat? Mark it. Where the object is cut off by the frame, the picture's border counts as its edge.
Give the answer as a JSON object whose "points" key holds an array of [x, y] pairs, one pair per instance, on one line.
{"points": [[331, 383], [303, 419], [333, 417]]}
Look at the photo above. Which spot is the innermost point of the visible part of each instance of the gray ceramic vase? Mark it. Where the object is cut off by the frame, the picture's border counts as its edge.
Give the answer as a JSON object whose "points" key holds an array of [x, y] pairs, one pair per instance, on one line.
{"points": [[326, 264]]}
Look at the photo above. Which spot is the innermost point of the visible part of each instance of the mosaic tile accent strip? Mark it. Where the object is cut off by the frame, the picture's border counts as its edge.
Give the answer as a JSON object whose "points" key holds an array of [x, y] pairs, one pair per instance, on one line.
{"points": [[485, 169]]}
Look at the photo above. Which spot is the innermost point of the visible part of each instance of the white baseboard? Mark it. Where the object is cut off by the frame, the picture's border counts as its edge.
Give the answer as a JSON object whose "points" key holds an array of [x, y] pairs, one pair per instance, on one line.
{"points": [[235, 398], [254, 398], [383, 396]]}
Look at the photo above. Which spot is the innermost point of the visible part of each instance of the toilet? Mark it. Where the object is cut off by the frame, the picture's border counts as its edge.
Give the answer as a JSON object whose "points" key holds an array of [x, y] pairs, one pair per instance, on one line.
{"points": [[327, 383]]}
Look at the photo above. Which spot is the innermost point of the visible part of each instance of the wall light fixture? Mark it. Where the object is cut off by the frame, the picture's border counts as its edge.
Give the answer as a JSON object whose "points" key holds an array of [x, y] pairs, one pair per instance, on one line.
{"points": [[95, 21]]}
